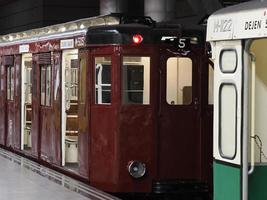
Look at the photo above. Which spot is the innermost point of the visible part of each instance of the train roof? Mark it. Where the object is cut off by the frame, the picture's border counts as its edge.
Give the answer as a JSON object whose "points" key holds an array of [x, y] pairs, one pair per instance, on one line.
{"points": [[151, 34], [242, 21], [68, 29]]}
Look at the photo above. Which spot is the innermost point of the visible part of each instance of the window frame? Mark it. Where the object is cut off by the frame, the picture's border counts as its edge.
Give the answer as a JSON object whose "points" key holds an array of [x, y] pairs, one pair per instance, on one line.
{"points": [[220, 124], [150, 79], [45, 84], [9, 86], [94, 78], [221, 64], [189, 56]]}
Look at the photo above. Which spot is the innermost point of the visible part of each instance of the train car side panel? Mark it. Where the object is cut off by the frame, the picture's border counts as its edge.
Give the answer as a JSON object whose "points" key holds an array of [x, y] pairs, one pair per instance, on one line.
{"points": [[83, 114], [137, 118]]}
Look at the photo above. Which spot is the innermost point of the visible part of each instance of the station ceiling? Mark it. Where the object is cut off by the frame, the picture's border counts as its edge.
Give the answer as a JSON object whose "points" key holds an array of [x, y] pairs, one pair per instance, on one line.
{"points": [[3, 2]]}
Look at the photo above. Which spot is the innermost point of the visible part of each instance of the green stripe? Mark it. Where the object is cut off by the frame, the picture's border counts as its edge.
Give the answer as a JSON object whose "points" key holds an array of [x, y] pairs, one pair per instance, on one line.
{"points": [[258, 184], [226, 182]]}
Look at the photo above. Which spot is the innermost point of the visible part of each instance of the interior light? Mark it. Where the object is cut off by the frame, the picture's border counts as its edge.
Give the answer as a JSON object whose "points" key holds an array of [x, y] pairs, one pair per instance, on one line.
{"points": [[137, 39], [82, 26]]}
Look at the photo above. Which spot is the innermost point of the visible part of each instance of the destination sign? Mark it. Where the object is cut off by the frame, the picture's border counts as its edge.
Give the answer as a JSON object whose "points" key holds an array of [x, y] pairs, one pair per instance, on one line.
{"points": [[252, 24]]}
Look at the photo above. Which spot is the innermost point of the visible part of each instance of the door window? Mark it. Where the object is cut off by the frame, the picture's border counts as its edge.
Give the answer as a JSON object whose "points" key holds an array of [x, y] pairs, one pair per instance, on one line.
{"points": [[10, 83], [228, 61], [136, 80], [227, 128], [28, 81], [46, 85], [179, 81]]}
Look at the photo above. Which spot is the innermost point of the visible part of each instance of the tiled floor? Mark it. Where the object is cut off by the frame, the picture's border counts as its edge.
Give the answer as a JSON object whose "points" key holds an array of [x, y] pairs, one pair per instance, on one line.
{"points": [[20, 183]]}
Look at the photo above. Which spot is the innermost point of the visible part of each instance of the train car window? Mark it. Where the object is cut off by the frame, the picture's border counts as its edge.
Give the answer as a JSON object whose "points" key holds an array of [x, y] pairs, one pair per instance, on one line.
{"points": [[46, 85], [10, 83], [28, 81], [179, 81], [227, 126], [103, 80], [136, 80], [211, 83], [228, 61], [82, 82], [74, 79]]}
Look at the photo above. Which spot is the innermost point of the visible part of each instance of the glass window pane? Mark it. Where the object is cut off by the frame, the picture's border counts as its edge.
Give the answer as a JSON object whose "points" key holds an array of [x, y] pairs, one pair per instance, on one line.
{"points": [[43, 75], [74, 79], [227, 121], [211, 77], [28, 81], [179, 81], [82, 84], [12, 84], [8, 83], [103, 80], [228, 61], [48, 86], [136, 80]]}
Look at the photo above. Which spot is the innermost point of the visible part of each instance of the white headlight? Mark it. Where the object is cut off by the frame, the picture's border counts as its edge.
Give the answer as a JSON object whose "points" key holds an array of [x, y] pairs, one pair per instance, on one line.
{"points": [[136, 169]]}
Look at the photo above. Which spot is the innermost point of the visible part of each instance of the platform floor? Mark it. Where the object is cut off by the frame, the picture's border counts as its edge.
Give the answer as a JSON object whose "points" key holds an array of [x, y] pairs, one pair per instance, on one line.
{"points": [[18, 181]]}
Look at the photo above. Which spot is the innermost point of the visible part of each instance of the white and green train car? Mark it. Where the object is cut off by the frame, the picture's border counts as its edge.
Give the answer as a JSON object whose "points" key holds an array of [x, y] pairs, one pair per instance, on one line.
{"points": [[238, 37]]}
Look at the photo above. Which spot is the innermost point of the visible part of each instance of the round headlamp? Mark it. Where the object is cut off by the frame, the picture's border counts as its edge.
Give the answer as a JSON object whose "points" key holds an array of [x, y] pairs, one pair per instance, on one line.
{"points": [[136, 169]]}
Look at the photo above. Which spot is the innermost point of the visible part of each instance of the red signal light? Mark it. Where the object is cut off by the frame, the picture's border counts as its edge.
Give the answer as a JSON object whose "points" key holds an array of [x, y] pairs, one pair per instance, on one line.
{"points": [[137, 39]]}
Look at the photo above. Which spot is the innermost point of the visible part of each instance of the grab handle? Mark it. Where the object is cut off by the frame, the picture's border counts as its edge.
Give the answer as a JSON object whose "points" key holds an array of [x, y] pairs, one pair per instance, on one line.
{"points": [[252, 128]]}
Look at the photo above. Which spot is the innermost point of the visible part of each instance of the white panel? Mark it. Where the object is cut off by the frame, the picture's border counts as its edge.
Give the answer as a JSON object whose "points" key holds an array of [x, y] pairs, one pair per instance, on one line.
{"points": [[228, 121], [227, 105]]}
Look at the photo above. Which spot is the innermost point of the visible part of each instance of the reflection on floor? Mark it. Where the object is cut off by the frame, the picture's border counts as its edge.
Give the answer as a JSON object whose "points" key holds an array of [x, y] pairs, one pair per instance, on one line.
{"points": [[22, 179], [72, 167]]}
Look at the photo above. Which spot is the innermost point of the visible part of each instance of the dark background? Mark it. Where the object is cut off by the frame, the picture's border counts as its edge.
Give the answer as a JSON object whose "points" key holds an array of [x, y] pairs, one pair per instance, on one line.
{"points": [[19, 15]]}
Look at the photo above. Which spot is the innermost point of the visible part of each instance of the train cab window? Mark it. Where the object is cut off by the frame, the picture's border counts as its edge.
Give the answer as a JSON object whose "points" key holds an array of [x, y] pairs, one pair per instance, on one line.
{"points": [[228, 61], [135, 80], [227, 126], [179, 81], [45, 85], [10, 83], [103, 80], [210, 86]]}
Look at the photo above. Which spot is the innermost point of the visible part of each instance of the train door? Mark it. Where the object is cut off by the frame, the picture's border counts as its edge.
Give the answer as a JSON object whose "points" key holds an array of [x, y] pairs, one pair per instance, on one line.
{"points": [[45, 128], [13, 67], [3, 100], [102, 114], [46, 100], [229, 168], [178, 122], [10, 71], [26, 102], [69, 117]]}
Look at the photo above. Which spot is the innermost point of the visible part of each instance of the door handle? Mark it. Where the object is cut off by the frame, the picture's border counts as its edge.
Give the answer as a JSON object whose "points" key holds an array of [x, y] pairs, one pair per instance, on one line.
{"points": [[196, 103]]}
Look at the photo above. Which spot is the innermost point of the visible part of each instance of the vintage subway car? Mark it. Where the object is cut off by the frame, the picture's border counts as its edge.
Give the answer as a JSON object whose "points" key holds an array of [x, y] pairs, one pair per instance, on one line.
{"points": [[125, 105], [238, 39]]}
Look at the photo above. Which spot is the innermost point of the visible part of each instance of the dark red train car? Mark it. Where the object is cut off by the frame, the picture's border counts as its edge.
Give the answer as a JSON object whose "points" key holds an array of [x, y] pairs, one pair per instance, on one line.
{"points": [[123, 106]]}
